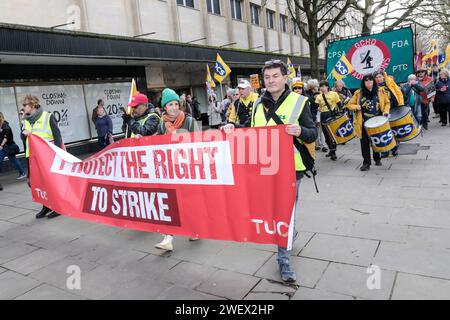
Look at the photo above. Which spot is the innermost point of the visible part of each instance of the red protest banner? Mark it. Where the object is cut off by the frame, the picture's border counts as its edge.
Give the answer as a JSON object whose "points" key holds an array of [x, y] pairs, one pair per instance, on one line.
{"points": [[238, 187]]}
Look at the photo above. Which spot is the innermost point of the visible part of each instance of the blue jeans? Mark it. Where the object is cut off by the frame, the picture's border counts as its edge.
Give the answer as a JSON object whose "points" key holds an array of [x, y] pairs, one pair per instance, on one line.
{"points": [[283, 253], [13, 159]]}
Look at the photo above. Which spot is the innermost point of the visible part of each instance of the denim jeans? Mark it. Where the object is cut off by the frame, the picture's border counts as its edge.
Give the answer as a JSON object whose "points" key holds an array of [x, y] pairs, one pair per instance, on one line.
{"points": [[13, 159], [283, 253]]}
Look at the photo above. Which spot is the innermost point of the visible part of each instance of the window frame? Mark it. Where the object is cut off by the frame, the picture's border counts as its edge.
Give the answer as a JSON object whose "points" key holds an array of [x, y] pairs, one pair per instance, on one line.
{"points": [[283, 23], [272, 15], [234, 11], [184, 3], [255, 12], [210, 4]]}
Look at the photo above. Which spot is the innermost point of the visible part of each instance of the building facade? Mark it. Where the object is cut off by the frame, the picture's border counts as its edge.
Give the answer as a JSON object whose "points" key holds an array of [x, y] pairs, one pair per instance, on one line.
{"points": [[94, 47]]}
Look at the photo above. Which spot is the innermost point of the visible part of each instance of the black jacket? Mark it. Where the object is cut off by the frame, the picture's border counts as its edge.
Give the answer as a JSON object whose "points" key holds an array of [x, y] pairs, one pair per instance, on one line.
{"points": [[306, 122], [6, 132], [149, 128]]}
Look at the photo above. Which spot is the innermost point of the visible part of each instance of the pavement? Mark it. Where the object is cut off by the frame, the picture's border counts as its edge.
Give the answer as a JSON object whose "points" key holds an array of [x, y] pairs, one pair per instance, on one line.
{"points": [[382, 234]]}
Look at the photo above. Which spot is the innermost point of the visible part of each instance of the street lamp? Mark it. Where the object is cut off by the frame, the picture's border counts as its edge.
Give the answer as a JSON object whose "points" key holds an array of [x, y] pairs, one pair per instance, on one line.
{"points": [[62, 25], [196, 40], [255, 47], [144, 34], [228, 44], [276, 50]]}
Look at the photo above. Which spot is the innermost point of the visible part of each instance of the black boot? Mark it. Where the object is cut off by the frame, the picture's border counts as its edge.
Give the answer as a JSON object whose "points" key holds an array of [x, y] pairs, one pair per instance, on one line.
{"points": [[43, 212], [1, 187], [53, 215], [333, 155], [365, 167]]}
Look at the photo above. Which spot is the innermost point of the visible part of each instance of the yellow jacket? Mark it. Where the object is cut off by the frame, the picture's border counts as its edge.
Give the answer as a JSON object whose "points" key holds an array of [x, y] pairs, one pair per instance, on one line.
{"points": [[234, 117], [395, 89], [385, 106]]}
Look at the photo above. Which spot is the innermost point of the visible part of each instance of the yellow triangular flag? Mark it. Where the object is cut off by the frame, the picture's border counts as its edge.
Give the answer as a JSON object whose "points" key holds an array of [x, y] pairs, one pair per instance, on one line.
{"points": [[209, 79], [291, 68], [133, 92]]}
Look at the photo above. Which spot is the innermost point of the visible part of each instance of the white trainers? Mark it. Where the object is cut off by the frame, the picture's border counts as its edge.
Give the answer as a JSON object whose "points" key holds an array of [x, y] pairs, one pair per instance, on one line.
{"points": [[193, 239], [166, 244]]}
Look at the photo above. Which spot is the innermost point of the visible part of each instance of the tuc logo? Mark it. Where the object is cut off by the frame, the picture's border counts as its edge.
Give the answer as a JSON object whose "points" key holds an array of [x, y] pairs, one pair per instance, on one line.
{"points": [[403, 130], [382, 139], [271, 227], [345, 129]]}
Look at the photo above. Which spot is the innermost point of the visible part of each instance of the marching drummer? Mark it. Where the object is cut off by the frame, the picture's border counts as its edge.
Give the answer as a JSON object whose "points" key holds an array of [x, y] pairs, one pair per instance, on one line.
{"points": [[298, 86], [395, 95], [369, 101], [329, 105]]}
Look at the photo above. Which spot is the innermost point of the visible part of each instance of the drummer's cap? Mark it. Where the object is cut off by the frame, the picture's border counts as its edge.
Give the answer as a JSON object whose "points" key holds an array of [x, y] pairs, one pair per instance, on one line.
{"points": [[297, 83]]}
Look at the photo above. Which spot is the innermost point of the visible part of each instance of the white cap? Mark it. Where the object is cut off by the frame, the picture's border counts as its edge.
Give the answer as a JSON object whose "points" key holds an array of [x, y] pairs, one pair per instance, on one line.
{"points": [[244, 84]]}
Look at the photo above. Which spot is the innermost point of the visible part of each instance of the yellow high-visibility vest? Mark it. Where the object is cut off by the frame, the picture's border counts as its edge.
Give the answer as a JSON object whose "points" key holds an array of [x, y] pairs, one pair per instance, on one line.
{"points": [[40, 128], [289, 112], [143, 120]]}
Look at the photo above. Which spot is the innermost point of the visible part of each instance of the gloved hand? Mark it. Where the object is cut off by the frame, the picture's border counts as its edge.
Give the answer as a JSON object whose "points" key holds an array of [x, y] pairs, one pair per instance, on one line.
{"points": [[126, 118]]}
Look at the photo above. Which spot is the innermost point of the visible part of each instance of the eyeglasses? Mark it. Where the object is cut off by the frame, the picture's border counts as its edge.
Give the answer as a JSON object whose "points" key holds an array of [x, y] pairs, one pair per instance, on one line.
{"points": [[271, 62], [368, 79]]}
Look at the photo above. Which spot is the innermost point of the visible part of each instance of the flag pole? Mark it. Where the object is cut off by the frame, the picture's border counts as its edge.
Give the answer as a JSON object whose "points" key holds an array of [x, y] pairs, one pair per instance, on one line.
{"points": [[221, 92]]}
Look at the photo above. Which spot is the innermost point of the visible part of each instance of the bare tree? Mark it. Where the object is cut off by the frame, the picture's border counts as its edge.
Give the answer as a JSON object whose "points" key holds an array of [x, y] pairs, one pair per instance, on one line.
{"points": [[389, 14], [316, 19]]}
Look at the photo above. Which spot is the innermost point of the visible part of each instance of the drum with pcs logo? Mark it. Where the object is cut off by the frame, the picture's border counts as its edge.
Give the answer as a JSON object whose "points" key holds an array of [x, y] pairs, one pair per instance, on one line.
{"points": [[380, 134], [403, 124], [341, 129]]}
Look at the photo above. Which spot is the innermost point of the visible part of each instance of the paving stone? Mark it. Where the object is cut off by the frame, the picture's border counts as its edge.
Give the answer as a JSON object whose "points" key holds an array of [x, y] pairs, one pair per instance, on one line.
{"points": [[318, 294], [239, 259], [47, 292], [188, 274], [352, 281], [269, 286], [196, 251], [428, 237], [432, 218], [14, 251], [140, 288], [308, 271], [13, 284], [228, 284], [9, 212], [103, 281], [412, 259], [33, 261], [341, 249], [182, 293], [266, 296], [414, 287], [151, 266], [57, 274]]}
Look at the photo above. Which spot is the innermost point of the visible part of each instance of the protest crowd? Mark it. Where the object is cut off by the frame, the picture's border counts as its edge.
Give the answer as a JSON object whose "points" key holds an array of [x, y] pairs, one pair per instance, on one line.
{"points": [[316, 111]]}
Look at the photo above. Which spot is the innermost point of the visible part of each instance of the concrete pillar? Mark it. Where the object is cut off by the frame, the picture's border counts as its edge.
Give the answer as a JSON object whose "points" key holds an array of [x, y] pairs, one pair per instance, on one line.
{"points": [[206, 24], [133, 17], [227, 11], [175, 20]]}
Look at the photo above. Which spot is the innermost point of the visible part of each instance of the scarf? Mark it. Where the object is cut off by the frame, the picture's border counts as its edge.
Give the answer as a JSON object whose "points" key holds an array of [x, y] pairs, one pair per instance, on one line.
{"points": [[171, 127], [33, 118]]}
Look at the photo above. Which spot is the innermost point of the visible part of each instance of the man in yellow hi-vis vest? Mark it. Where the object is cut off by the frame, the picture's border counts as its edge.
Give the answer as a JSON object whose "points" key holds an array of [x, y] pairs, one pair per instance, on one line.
{"points": [[144, 121], [43, 124], [276, 106]]}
